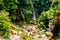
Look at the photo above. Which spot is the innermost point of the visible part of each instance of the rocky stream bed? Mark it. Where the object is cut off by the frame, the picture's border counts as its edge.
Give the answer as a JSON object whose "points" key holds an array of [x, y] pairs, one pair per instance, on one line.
{"points": [[31, 30]]}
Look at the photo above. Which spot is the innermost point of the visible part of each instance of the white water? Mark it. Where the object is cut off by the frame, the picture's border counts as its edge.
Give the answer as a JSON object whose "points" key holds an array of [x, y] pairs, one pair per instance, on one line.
{"points": [[33, 12]]}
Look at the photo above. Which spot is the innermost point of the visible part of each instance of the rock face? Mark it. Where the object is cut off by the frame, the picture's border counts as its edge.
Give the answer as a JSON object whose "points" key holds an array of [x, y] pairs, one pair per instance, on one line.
{"points": [[14, 37], [51, 27], [32, 30], [54, 25]]}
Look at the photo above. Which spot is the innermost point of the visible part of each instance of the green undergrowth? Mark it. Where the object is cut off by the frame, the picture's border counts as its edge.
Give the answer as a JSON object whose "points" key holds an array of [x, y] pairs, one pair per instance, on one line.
{"points": [[5, 23]]}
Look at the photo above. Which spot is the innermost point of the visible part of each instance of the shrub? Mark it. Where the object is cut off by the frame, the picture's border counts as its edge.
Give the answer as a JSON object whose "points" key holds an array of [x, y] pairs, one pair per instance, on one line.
{"points": [[5, 23], [44, 18], [25, 36]]}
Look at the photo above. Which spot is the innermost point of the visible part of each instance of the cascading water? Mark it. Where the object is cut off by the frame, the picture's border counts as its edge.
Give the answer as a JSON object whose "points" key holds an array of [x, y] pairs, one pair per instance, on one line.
{"points": [[33, 12], [23, 16]]}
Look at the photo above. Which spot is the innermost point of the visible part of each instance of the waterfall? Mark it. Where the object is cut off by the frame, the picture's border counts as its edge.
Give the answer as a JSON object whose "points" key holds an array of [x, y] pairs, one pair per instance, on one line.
{"points": [[23, 15], [33, 12]]}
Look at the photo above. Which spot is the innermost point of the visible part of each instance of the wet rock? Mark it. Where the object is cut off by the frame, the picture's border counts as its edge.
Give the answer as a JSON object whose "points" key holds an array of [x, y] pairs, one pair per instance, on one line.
{"points": [[1, 38], [41, 38], [14, 31], [31, 30], [14, 37], [49, 35], [51, 26], [34, 32], [44, 38], [27, 27]]}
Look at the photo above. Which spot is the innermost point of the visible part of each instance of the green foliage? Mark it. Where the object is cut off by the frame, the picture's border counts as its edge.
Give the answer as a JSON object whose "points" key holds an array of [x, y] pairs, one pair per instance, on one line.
{"points": [[55, 6], [31, 38], [44, 18], [41, 25], [42, 5], [9, 5], [28, 14], [5, 23], [25, 9], [25, 36], [15, 7]]}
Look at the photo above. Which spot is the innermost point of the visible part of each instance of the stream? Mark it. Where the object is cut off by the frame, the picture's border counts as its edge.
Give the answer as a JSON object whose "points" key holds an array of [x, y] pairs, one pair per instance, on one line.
{"points": [[31, 30]]}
